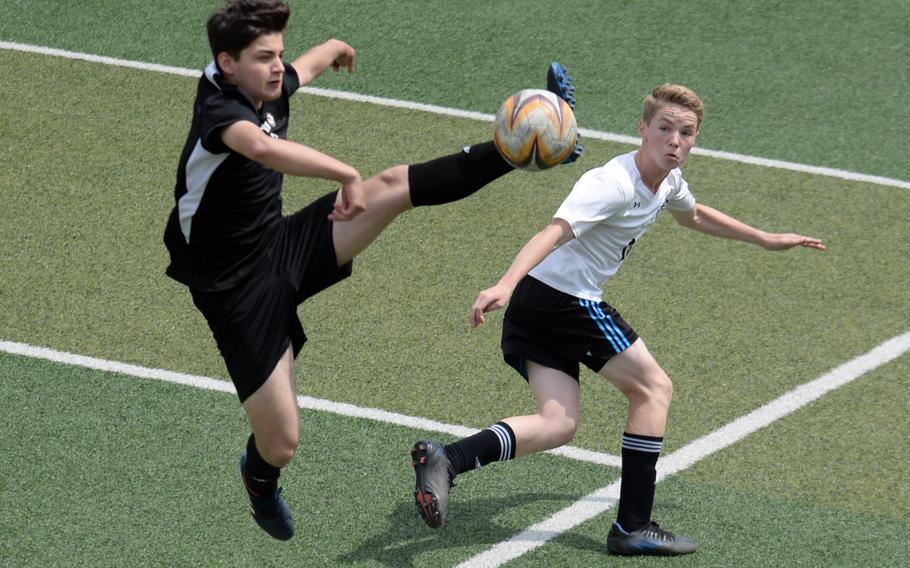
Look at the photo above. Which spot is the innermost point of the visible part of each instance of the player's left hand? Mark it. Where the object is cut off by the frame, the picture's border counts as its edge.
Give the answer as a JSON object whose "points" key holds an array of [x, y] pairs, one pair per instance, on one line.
{"points": [[352, 203], [487, 301], [345, 57], [784, 241]]}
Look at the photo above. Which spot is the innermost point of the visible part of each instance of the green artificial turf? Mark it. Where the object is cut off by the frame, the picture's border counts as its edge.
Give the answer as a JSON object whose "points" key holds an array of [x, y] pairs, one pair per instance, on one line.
{"points": [[101, 469], [811, 82]]}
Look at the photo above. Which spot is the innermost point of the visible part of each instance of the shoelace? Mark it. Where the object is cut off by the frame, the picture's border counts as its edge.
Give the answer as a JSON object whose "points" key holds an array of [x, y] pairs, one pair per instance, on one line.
{"points": [[654, 531]]}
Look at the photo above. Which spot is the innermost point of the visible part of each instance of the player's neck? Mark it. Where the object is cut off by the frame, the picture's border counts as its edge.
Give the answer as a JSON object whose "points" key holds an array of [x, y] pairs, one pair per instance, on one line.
{"points": [[257, 104], [650, 173]]}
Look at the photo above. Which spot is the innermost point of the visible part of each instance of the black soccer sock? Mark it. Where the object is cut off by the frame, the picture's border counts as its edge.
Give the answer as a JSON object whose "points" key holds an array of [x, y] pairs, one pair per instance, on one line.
{"points": [[496, 443], [639, 470], [259, 476], [456, 176]]}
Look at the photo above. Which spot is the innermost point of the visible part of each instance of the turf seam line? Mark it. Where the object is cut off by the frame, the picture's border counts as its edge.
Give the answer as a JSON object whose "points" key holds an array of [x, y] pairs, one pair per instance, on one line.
{"points": [[605, 498], [305, 402], [453, 112]]}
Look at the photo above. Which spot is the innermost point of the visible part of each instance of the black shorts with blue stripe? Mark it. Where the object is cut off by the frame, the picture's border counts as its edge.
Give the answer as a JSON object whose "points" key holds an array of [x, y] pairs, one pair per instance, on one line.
{"points": [[558, 330]]}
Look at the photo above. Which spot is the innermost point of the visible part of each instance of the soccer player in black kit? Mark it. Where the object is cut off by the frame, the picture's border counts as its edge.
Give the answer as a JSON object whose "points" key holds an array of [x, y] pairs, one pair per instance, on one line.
{"points": [[247, 267]]}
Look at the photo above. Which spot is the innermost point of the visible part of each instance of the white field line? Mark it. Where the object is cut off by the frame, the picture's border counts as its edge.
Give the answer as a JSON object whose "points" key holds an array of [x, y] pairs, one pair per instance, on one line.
{"points": [[605, 498], [485, 117], [305, 402], [595, 503]]}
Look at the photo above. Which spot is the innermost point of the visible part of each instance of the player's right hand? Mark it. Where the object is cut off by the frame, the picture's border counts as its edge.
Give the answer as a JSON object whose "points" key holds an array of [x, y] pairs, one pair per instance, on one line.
{"points": [[487, 301], [353, 201]]}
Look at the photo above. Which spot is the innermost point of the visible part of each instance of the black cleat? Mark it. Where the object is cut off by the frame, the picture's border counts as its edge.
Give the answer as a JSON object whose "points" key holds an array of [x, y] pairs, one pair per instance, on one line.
{"points": [[650, 540], [271, 512], [434, 479]]}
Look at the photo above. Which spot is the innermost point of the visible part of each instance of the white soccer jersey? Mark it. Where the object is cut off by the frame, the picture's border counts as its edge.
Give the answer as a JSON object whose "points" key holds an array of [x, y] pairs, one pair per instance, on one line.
{"points": [[608, 209]]}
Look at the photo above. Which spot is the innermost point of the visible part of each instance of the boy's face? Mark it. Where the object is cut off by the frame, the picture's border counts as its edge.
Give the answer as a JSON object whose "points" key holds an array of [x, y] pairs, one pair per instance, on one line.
{"points": [[260, 70], [670, 135]]}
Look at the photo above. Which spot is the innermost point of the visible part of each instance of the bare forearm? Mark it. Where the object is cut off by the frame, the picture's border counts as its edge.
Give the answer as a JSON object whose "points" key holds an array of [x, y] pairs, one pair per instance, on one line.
{"points": [[298, 160], [713, 222], [315, 61], [285, 156], [542, 244], [552, 236]]}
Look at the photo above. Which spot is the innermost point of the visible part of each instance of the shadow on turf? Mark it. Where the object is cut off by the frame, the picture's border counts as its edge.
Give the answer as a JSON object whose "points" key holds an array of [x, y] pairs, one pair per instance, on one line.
{"points": [[469, 524]]}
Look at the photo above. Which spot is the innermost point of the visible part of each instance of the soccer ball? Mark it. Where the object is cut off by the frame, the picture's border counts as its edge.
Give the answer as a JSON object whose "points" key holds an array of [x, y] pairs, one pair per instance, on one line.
{"points": [[535, 130]]}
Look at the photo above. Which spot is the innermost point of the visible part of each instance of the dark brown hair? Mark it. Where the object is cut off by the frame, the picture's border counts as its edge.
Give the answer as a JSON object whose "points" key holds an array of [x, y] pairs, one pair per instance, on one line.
{"points": [[237, 24]]}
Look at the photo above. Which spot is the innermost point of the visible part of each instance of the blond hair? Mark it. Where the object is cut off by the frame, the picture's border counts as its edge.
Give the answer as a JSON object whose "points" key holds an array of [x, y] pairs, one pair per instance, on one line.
{"points": [[669, 94]]}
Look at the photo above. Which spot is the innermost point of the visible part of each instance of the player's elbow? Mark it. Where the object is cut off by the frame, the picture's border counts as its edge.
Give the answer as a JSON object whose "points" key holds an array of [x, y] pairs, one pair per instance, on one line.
{"points": [[688, 219]]}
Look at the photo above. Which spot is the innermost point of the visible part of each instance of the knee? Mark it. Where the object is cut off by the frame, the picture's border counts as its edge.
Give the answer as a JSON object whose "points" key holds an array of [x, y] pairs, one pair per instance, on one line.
{"points": [[279, 449], [389, 190], [394, 178], [561, 429], [654, 387]]}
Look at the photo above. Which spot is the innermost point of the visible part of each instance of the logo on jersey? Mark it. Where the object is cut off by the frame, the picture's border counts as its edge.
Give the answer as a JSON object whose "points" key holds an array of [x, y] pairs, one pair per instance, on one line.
{"points": [[636, 204], [662, 207], [268, 125]]}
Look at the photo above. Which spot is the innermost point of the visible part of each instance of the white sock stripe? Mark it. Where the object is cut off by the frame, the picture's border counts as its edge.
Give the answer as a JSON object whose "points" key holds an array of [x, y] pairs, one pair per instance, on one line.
{"points": [[638, 442], [642, 445], [498, 435], [505, 441], [633, 438], [636, 445], [506, 446], [642, 449]]}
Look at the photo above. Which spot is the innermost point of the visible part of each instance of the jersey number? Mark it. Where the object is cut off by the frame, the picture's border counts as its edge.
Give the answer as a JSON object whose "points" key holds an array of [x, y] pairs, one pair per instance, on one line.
{"points": [[626, 249]]}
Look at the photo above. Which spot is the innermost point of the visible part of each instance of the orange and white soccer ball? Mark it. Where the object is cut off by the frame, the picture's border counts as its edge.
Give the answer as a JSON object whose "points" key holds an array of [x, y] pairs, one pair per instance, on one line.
{"points": [[535, 130]]}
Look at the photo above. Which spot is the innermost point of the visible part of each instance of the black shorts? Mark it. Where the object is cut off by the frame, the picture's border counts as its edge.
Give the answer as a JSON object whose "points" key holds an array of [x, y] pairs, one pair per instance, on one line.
{"points": [[254, 322], [558, 330]]}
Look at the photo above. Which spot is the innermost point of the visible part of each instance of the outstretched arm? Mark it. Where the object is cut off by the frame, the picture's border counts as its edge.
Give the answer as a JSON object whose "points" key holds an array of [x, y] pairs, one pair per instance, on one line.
{"points": [[296, 159], [713, 222], [313, 62], [553, 236]]}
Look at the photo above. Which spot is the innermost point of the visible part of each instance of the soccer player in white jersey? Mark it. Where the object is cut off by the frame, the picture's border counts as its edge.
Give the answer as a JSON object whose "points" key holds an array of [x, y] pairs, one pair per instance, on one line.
{"points": [[556, 319]]}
